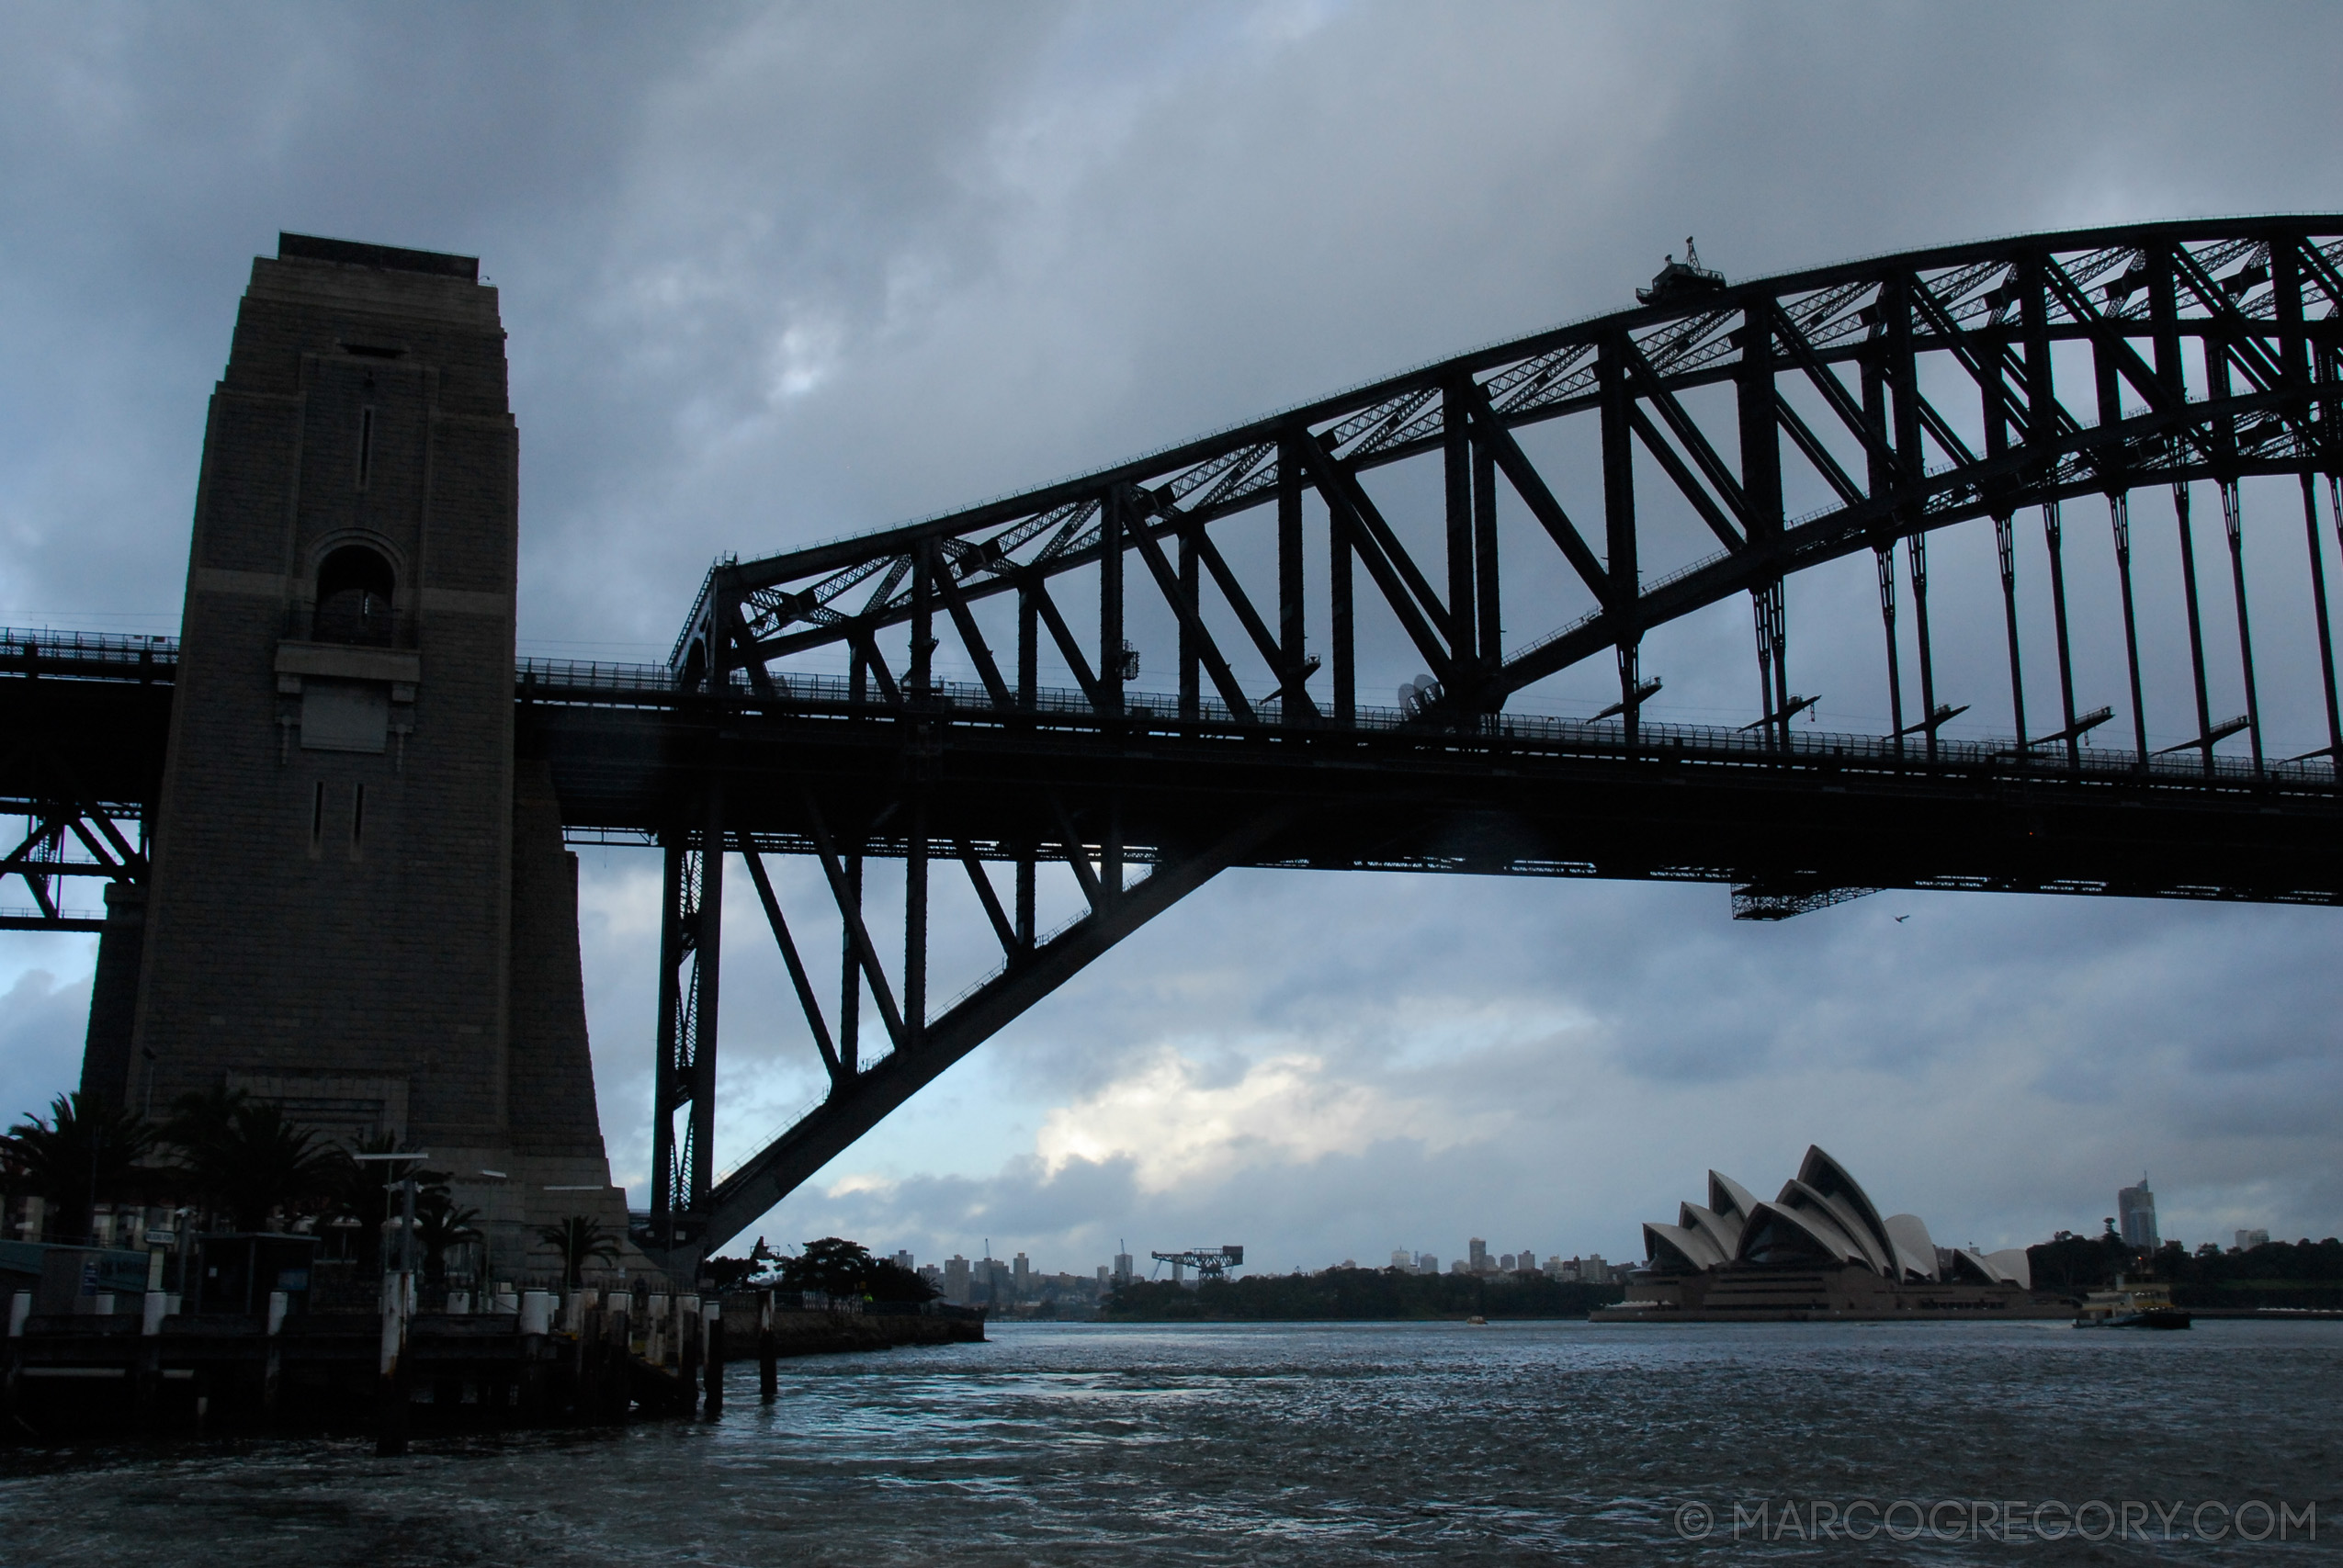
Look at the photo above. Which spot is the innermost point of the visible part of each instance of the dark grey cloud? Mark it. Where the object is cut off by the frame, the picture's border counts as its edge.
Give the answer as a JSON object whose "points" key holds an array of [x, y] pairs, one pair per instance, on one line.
{"points": [[774, 274], [41, 1021]]}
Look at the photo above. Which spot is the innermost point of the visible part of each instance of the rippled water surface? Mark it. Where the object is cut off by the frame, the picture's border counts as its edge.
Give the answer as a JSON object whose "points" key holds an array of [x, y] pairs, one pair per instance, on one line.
{"points": [[1300, 1444]]}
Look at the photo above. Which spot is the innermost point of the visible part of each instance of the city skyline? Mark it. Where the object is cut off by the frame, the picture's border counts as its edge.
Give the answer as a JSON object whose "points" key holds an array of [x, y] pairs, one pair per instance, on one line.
{"points": [[2135, 1221]]}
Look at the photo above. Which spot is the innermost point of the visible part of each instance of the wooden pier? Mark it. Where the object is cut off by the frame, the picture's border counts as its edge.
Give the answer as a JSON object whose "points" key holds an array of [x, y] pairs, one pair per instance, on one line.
{"points": [[535, 1359]]}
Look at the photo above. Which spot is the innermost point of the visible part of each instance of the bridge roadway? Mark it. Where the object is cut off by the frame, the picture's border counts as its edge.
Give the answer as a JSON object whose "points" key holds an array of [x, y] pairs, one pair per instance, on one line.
{"points": [[88, 721], [1519, 795], [810, 771]]}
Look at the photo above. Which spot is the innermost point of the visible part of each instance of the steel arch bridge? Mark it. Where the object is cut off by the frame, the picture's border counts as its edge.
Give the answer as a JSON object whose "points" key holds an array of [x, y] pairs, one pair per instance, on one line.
{"points": [[973, 688]]}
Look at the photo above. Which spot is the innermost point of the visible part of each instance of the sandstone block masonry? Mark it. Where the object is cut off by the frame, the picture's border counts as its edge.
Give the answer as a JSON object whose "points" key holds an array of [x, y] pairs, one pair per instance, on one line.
{"points": [[359, 906]]}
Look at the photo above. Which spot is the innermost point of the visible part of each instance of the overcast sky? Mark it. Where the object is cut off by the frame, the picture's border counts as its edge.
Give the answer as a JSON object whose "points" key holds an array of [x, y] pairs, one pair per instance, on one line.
{"points": [[776, 273]]}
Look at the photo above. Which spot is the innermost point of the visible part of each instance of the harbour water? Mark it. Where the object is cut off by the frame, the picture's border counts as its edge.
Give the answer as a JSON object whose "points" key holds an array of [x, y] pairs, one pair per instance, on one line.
{"points": [[1314, 1444]]}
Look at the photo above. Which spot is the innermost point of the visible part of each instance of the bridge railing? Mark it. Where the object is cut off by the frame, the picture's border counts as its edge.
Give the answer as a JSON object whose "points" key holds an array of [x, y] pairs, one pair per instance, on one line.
{"points": [[590, 675], [568, 680], [111, 655], [69, 655]]}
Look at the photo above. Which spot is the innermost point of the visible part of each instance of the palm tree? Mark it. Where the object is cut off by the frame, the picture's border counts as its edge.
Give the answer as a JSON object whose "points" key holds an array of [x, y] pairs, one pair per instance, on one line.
{"points": [[252, 1162], [580, 1241], [362, 1195], [81, 1154], [440, 1226], [200, 1115]]}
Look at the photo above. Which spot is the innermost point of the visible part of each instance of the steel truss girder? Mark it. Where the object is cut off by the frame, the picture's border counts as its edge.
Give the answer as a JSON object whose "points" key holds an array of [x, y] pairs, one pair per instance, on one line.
{"points": [[1791, 824], [1994, 308], [2259, 303], [861, 1094], [70, 837], [83, 722]]}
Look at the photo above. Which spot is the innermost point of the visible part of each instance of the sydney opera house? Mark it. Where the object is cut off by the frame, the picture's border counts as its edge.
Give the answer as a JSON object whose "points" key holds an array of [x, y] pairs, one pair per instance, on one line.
{"points": [[1818, 1250]]}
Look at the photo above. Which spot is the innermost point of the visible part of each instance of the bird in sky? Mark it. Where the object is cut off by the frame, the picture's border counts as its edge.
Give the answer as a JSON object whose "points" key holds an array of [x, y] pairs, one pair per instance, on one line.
{"points": [[1901, 918]]}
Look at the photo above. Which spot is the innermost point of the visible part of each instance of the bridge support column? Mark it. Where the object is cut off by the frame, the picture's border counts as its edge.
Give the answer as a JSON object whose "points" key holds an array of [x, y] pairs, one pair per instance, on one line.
{"points": [[110, 1073], [2119, 519], [2052, 538], [673, 948], [2196, 618], [2006, 550], [691, 955], [2233, 520], [2325, 632]]}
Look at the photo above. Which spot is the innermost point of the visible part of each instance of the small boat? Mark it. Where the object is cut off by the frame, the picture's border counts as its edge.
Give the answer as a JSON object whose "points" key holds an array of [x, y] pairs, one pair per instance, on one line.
{"points": [[2131, 1306], [1477, 1321]]}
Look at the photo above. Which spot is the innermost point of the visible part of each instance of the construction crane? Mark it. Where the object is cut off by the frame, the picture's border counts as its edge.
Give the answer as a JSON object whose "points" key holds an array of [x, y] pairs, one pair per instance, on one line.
{"points": [[1209, 1262]]}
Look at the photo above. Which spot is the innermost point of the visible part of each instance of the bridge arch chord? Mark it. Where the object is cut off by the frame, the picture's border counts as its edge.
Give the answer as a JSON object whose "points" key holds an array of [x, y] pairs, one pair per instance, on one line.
{"points": [[882, 695]]}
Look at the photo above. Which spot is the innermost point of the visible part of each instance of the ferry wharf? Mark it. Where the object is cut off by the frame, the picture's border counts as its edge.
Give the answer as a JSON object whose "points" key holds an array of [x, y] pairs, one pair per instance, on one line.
{"points": [[525, 1359]]}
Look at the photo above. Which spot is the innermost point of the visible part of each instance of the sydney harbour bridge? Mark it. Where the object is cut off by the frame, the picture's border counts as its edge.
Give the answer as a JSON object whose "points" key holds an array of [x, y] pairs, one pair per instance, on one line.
{"points": [[1052, 716]]}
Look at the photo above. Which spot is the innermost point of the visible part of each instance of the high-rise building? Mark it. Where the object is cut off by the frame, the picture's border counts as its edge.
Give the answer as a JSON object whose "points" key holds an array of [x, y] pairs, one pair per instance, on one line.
{"points": [[1427, 1264], [1477, 1252], [1527, 1263], [903, 1261], [956, 1280], [1021, 1278], [2135, 1214], [1505, 1263], [2249, 1240], [1593, 1270], [1401, 1261], [1123, 1265]]}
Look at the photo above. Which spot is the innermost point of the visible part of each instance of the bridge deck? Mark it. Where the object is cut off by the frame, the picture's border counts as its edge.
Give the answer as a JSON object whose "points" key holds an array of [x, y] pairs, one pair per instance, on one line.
{"points": [[1519, 795]]}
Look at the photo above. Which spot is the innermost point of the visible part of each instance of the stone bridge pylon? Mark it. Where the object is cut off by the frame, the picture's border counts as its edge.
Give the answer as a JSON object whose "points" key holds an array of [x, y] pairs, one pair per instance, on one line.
{"points": [[359, 905]]}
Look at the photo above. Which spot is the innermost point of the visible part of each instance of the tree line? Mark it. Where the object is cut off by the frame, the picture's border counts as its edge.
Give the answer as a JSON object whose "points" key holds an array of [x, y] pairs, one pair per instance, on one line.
{"points": [[2300, 1274], [834, 1266], [1358, 1293]]}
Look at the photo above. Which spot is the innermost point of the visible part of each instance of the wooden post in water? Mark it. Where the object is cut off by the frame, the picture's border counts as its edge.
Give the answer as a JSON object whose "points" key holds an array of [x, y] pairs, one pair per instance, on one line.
{"points": [[398, 1306], [536, 1325], [622, 1356], [689, 1327], [767, 1381], [273, 1366], [19, 1309], [390, 1408], [147, 1372], [712, 1359], [585, 1328]]}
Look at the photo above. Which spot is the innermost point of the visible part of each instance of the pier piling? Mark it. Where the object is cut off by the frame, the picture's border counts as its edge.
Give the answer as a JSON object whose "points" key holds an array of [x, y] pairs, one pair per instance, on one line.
{"points": [[390, 1411], [712, 1357], [767, 1351]]}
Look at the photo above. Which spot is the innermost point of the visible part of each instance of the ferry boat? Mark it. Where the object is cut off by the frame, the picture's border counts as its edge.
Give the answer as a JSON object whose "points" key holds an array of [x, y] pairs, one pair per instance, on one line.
{"points": [[2131, 1306]]}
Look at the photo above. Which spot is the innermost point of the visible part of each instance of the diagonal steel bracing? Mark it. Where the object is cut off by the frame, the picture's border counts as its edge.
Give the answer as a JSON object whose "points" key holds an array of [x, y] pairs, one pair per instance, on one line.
{"points": [[2212, 351], [859, 1097]]}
